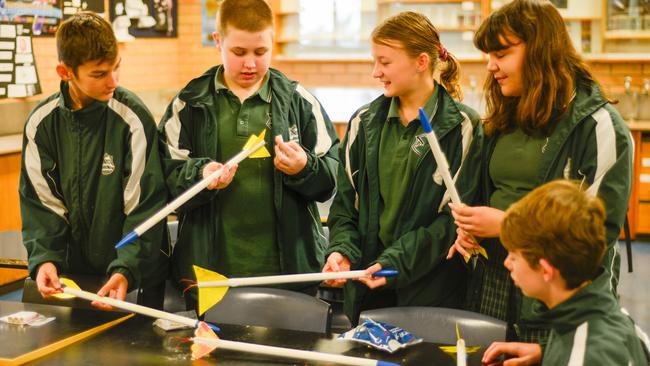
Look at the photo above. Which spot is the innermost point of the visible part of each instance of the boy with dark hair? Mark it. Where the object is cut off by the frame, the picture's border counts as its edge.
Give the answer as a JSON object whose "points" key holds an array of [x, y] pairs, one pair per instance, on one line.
{"points": [[91, 172], [265, 221], [555, 237]]}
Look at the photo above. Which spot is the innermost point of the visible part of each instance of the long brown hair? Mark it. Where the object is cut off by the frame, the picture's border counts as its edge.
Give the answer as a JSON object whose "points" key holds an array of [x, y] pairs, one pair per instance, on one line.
{"points": [[418, 35], [551, 70]]}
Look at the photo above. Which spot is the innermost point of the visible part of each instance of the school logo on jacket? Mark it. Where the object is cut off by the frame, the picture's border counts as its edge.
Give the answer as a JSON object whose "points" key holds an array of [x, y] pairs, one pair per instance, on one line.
{"points": [[293, 133], [108, 166], [269, 122], [419, 145]]}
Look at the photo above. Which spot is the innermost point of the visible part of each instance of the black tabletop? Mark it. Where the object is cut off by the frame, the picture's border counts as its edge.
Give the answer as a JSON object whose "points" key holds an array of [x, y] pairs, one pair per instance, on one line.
{"points": [[137, 342]]}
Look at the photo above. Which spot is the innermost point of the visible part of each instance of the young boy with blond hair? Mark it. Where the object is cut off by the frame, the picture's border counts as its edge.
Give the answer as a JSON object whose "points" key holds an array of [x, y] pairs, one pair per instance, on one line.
{"points": [[259, 218], [555, 237]]}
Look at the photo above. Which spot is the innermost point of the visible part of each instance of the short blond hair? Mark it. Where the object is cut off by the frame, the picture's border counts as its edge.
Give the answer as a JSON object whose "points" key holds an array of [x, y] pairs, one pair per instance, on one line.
{"points": [[562, 224], [247, 15]]}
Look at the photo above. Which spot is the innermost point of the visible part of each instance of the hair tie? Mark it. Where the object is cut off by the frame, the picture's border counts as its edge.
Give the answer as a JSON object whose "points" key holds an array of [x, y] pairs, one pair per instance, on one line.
{"points": [[443, 53]]}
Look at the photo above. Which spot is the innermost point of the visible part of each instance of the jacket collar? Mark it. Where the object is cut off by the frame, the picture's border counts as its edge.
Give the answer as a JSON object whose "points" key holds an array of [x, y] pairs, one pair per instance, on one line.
{"points": [[264, 91], [199, 91], [447, 115], [64, 96], [594, 300], [588, 99]]}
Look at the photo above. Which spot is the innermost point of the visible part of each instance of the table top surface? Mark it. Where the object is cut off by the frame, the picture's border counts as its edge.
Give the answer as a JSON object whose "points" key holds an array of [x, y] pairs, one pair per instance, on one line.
{"points": [[136, 341]]}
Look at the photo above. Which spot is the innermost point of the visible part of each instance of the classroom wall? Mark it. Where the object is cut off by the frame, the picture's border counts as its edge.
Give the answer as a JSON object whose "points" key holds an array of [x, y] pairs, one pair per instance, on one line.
{"points": [[356, 73], [150, 66]]}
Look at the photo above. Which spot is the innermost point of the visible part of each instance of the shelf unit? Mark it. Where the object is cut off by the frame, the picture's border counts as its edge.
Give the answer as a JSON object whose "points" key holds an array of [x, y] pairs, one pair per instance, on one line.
{"points": [[625, 27], [588, 25]]}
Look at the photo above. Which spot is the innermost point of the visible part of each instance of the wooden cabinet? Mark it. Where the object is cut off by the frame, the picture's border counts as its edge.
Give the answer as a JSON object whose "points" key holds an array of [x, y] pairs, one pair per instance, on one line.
{"points": [[9, 176], [626, 20], [456, 20], [320, 30], [642, 178], [639, 210]]}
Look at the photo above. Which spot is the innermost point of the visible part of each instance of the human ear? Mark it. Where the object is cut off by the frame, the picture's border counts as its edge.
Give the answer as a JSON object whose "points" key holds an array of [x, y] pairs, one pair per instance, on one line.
{"points": [[215, 38], [423, 61], [64, 72], [548, 271]]}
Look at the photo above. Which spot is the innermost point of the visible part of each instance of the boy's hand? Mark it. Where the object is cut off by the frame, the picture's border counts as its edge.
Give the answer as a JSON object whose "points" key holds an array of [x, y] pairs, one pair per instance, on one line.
{"points": [[290, 158], [373, 282], [47, 280], [115, 288], [336, 262], [481, 221], [226, 177], [525, 354]]}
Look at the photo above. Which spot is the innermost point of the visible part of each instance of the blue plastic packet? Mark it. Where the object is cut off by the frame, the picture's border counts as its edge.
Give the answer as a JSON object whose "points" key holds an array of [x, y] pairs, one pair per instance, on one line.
{"points": [[380, 335]]}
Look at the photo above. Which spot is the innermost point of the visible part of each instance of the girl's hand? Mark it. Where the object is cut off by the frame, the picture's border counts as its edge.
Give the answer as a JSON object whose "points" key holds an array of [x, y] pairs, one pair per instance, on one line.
{"points": [[463, 244], [481, 221], [336, 262]]}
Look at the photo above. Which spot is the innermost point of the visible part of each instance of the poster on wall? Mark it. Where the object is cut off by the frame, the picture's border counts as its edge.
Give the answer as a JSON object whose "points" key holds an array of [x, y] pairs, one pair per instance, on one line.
{"points": [[43, 16], [18, 75], [560, 4], [143, 18], [71, 7], [208, 18]]}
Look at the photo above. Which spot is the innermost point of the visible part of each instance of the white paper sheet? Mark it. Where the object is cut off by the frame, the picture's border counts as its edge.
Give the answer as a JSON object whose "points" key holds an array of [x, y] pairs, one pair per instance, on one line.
{"points": [[26, 75]]}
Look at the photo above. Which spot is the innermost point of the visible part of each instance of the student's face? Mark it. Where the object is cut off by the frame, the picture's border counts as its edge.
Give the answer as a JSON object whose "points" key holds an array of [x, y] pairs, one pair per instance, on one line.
{"points": [[530, 280], [246, 56], [506, 66], [94, 80], [396, 70]]}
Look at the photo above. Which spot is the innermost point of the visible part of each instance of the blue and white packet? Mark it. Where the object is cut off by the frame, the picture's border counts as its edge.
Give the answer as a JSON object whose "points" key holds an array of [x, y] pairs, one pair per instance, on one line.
{"points": [[385, 337]]}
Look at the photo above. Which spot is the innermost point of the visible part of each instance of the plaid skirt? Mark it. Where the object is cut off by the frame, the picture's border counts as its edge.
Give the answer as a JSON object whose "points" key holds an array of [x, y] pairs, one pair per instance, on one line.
{"points": [[492, 292]]}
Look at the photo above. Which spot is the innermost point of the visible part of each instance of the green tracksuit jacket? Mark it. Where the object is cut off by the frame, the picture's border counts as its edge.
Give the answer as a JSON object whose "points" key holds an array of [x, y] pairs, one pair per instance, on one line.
{"points": [[426, 229], [591, 329], [84, 185], [189, 141], [591, 144]]}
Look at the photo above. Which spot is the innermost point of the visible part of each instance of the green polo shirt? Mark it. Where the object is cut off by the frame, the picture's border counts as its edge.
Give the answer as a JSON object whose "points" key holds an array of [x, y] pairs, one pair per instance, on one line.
{"points": [[514, 167], [400, 148], [246, 244]]}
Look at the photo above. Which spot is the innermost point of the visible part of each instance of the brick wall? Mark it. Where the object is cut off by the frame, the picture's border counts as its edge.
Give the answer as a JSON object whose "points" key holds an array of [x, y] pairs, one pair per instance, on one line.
{"points": [[357, 73]]}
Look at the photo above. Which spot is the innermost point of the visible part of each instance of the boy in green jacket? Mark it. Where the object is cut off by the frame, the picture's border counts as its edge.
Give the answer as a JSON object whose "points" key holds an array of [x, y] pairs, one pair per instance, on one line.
{"points": [[555, 237], [259, 218], [91, 172]]}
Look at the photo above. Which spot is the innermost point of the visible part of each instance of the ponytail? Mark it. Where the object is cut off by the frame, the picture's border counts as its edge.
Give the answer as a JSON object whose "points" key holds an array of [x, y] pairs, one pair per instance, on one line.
{"points": [[450, 75]]}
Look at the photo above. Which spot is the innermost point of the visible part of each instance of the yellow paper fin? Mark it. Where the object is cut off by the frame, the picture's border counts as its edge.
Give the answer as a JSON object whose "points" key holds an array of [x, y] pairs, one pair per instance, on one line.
{"points": [[262, 152], [451, 350], [480, 250], [209, 296], [70, 283]]}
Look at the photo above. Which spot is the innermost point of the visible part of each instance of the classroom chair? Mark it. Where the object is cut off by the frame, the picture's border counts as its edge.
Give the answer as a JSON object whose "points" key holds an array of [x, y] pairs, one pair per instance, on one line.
{"points": [[272, 308], [438, 325]]}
